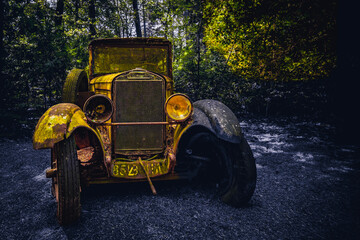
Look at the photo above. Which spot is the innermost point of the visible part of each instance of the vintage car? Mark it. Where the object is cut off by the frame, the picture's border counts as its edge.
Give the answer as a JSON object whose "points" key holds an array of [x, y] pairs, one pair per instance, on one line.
{"points": [[122, 121]]}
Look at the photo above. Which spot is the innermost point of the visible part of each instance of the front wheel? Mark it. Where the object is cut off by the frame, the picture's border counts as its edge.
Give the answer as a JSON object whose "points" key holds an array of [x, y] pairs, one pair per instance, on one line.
{"points": [[243, 181], [231, 166], [66, 182]]}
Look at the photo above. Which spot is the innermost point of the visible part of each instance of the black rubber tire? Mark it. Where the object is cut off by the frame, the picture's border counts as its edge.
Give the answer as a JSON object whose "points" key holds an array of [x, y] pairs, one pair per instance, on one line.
{"points": [[66, 183], [231, 166], [243, 182], [76, 81]]}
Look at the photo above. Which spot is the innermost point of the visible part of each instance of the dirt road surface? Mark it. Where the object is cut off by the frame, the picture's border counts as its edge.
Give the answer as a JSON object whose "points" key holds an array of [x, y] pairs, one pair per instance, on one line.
{"points": [[308, 188]]}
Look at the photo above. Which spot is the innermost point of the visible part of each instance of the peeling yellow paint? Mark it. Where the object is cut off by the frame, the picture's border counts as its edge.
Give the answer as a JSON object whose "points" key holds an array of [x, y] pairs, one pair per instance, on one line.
{"points": [[58, 123], [77, 120]]}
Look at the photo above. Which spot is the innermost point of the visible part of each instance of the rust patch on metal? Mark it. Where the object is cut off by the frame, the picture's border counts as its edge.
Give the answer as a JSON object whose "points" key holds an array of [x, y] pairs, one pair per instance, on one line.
{"points": [[50, 173], [107, 146], [98, 108], [172, 158], [58, 123], [85, 155], [60, 127], [53, 125], [48, 143], [106, 180]]}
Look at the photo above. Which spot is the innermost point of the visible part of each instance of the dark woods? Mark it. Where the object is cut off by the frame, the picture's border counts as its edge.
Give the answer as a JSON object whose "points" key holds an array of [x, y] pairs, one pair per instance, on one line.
{"points": [[269, 58]]}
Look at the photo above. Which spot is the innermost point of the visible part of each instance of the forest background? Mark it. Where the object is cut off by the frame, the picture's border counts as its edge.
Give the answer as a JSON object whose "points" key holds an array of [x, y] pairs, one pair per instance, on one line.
{"points": [[264, 58]]}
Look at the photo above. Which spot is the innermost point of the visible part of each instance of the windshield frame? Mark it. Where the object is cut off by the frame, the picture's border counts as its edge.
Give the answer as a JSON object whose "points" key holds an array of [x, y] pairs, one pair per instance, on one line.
{"points": [[130, 43]]}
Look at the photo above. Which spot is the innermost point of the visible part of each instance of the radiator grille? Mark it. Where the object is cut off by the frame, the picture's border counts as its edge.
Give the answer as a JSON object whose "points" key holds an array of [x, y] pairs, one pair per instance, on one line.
{"points": [[138, 100]]}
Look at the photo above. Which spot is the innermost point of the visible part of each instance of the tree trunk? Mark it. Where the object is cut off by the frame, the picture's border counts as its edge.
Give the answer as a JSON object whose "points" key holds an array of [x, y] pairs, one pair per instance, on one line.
{"points": [[126, 27], [59, 12], [76, 3], [137, 18], [144, 19], [92, 18]]}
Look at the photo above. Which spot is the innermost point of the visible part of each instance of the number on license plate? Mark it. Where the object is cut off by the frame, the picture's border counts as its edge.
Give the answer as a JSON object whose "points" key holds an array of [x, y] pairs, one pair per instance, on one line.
{"points": [[133, 170]]}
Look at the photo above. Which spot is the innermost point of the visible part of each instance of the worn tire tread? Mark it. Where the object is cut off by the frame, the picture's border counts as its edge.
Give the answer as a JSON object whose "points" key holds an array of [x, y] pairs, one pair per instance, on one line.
{"points": [[69, 208], [243, 184]]}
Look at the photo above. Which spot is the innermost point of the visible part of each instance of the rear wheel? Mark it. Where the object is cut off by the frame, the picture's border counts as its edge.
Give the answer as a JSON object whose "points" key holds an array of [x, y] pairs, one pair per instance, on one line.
{"points": [[231, 166], [66, 182]]}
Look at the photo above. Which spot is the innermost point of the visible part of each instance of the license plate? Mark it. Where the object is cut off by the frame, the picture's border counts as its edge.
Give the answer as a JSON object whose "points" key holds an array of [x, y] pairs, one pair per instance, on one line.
{"points": [[135, 170]]}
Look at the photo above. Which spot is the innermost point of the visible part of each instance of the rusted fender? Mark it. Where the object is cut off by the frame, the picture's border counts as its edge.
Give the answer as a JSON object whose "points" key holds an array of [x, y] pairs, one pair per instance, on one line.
{"points": [[217, 118], [58, 123]]}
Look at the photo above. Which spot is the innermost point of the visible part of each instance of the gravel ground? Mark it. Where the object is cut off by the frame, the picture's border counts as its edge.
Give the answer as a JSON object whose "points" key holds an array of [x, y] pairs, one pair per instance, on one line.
{"points": [[308, 188]]}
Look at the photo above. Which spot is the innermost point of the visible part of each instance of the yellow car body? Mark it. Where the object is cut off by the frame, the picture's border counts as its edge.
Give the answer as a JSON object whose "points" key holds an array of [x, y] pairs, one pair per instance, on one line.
{"points": [[122, 121], [62, 120]]}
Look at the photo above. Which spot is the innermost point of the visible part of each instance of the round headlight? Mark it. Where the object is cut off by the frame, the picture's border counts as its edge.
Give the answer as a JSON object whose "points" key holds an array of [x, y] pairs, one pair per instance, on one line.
{"points": [[98, 108], [178, 107]]}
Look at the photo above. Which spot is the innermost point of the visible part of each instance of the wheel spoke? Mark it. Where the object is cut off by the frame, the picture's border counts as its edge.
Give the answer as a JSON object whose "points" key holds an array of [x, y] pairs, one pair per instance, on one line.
{"points": [[198, 158]]}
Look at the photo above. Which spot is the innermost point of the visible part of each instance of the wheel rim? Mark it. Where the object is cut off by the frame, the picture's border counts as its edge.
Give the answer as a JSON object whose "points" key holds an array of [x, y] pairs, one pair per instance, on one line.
{"points": [[206, 151]]}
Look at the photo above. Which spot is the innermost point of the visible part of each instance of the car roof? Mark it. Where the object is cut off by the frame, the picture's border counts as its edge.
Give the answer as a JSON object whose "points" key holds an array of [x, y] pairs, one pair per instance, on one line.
{"points": [[160, 42]]}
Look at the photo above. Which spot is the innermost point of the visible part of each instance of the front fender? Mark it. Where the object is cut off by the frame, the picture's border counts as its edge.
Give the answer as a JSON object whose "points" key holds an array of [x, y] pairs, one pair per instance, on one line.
{"points": [[218, 119], [58, 123]]}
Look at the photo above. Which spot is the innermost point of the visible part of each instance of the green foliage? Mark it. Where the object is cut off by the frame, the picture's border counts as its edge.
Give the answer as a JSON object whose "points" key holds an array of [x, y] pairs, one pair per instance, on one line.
{"points": [[221, 50], [274, 40]]}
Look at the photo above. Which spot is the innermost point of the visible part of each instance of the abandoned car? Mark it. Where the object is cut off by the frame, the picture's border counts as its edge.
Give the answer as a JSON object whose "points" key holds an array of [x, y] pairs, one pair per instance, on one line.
{"points": [[122, 121]]}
